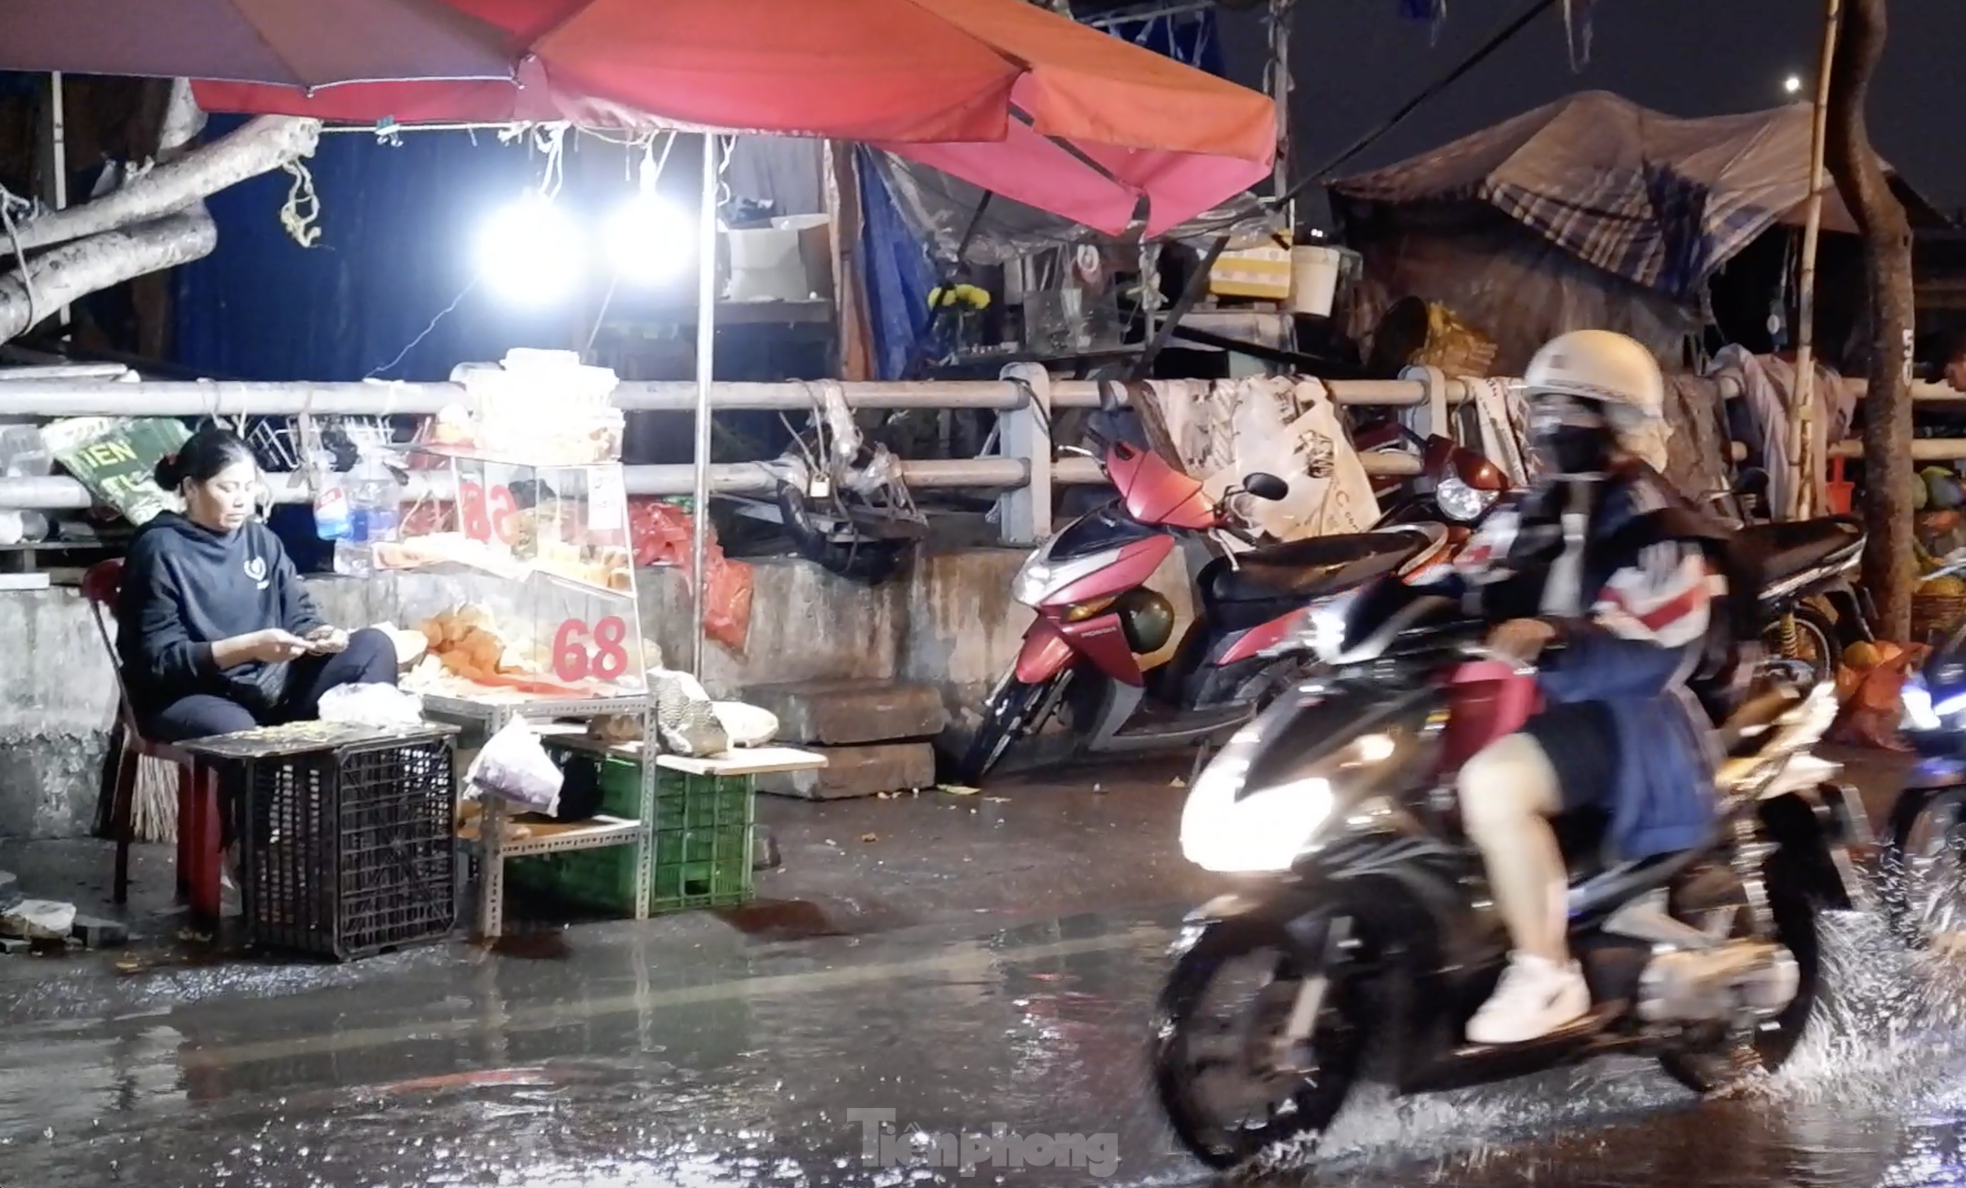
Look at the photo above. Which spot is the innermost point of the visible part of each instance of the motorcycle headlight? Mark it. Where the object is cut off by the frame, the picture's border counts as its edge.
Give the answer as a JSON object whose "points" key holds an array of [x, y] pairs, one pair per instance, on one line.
{"points": [[1326, 626], [1925, 712], [1917, 702], [1262, 833], [1459, 501], [1265, 832], [1042, 577]]}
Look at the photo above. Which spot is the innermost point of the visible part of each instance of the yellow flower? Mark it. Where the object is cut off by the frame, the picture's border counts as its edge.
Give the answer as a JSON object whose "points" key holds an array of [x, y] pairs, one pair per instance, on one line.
{"points": [[970, 295]]}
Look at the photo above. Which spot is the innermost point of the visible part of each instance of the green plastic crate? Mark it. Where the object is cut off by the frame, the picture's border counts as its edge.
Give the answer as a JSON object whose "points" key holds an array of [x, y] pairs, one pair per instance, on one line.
{"points": [[702, 845]]}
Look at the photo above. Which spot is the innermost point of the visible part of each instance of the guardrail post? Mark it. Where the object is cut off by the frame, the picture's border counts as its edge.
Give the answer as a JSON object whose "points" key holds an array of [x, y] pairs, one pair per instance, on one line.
{"points": [[1434, 383], [1024, 514]]}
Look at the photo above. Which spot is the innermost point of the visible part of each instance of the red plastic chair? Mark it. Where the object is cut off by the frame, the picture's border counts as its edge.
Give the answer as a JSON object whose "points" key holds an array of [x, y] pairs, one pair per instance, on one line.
{"points": [[198, 856]]}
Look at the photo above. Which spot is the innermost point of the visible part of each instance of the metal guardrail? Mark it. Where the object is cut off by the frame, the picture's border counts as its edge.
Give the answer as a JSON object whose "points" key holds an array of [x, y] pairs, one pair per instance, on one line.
{"points": [[1026, 410], [1023, 486]]}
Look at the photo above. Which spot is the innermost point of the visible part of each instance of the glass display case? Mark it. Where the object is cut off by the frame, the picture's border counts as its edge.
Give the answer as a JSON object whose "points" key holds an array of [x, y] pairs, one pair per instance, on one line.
{"points": [[561, 617]]}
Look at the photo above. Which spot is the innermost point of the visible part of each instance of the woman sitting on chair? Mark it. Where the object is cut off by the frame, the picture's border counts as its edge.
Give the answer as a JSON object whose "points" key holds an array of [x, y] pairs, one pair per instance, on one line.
{"points": [[215, 631]]}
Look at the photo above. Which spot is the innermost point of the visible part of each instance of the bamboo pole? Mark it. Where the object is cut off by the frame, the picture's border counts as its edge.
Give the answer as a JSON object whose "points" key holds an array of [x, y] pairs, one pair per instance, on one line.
{"points": [[1805, 430]]}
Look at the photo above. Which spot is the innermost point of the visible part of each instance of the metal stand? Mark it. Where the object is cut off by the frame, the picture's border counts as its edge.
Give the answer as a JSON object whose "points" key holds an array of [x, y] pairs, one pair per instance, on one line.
{"points": [[491, 715]]}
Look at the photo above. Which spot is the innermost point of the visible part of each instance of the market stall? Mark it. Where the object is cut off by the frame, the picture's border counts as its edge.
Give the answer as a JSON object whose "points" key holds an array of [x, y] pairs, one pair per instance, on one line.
{"points": [[537, 521], [1001, 93]]}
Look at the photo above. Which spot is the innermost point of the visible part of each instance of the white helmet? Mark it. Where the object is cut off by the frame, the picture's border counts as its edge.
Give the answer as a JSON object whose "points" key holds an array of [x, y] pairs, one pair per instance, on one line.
{"points": [[1589, 389], [1608, 369]]}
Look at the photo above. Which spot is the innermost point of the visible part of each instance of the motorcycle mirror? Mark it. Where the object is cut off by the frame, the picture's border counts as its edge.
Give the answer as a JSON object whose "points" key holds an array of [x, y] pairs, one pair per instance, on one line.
{"points": [[1266, 486], [1109, 396], [1752, 481]]}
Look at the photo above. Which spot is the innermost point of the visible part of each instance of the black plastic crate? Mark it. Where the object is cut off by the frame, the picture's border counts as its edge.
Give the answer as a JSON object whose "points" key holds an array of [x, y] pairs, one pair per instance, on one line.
{"points": [[350, 851]]}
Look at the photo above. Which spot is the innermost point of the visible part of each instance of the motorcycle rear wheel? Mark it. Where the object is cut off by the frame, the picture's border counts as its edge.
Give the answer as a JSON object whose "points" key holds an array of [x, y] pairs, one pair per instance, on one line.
{"points": [[1296, 1104], [1721, 1068], [1815, 642]]}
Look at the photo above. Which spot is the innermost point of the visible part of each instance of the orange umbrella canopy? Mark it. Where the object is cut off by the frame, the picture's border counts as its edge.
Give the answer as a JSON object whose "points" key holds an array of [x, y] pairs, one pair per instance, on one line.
{"points": [[999, 92]]}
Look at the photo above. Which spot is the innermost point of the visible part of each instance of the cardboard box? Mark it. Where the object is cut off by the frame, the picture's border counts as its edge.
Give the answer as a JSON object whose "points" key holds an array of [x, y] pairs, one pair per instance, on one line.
{"points": [[791, 260]]}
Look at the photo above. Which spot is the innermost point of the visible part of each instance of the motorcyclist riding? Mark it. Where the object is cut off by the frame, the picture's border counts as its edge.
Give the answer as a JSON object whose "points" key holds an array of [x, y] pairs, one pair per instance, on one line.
{"points": [[1577, 560]]}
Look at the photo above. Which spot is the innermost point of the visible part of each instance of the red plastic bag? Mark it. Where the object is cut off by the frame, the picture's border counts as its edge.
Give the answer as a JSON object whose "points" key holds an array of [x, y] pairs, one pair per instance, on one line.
{"points": [[661, 534]]}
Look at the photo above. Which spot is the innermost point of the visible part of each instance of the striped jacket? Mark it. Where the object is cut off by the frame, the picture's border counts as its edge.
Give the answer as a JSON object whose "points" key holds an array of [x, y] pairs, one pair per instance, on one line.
{"points": [[1635, 628]]}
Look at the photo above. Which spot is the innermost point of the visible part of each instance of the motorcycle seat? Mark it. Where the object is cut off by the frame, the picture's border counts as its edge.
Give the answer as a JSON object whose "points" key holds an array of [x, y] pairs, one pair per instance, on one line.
{"points": [[1745, 730], [1302, 570], [1787, 549]]}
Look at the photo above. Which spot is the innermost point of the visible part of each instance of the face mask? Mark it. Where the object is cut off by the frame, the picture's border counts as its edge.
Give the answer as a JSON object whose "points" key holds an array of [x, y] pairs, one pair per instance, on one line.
{"points": [[1569, 436]]}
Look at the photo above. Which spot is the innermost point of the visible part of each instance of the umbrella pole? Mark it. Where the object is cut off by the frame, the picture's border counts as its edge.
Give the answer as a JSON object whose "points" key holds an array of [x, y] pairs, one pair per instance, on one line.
{"points": [[706, 341], [1805, 449]]}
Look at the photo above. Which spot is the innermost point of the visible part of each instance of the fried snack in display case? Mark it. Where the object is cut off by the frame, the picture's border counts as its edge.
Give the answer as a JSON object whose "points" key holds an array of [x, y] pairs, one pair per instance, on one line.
{"points": [[546, 636], [513, 520]]}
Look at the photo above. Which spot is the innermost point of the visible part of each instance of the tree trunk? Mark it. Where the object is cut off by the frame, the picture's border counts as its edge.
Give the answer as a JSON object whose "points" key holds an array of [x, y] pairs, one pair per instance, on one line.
{"points": [[1887, 506]]}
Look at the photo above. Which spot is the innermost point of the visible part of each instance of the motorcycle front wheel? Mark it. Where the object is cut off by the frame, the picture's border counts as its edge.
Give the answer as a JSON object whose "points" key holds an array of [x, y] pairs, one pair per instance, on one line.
{"points": [[1007, 716], [1722, 1067], [1228, 1089], [1924, 869]]}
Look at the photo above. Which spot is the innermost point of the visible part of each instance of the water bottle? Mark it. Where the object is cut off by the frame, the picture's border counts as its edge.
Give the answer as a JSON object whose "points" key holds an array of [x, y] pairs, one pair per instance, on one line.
{"points": [[378, 502], [332, 514]]}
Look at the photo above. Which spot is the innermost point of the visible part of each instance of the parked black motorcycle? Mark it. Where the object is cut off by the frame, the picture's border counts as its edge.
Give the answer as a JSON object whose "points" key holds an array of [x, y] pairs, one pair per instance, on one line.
{"points": [[1365, 924], [1814, 608]]}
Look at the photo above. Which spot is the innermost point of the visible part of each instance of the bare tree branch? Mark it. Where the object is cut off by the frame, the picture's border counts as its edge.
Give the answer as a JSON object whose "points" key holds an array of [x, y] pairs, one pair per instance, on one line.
{"points": [[263, 144], [76, 270]]}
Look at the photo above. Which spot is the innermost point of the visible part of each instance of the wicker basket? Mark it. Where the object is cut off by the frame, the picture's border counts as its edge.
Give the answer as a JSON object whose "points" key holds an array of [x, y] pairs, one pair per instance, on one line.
{"points": [[1934, 616]]}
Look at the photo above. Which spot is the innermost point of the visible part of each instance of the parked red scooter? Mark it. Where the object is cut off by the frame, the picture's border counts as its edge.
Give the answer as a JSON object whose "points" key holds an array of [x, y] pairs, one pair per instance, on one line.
{"points": [[1096, 618]]}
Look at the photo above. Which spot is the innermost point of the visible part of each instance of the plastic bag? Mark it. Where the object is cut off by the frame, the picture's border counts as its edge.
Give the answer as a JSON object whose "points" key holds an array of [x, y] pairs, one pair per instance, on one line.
{"points": [[371, 705], [661, 535], [515, 767], [747, 725], [1871, 710]]}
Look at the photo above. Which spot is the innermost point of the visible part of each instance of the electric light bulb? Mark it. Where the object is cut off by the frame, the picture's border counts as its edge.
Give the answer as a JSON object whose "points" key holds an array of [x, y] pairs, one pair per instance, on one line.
{"points": [[531, 252], [649, 239]]}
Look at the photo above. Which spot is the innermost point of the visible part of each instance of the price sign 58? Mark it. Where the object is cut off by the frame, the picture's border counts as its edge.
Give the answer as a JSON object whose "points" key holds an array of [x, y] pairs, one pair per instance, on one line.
{"points": [[609, 659], [488, 515]]}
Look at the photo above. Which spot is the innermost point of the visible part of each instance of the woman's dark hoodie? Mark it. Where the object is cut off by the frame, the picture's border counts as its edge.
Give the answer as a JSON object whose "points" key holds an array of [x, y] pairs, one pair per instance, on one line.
{"points": [[185, 588]]}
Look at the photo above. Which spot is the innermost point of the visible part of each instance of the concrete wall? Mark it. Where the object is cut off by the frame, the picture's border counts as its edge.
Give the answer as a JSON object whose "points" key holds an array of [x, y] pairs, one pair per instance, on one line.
{"points": [[947, 622]]}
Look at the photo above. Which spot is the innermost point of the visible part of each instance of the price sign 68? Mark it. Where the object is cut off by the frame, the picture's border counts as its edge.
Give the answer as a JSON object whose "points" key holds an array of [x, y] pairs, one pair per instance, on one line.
{"points": [[608, 660], [488, 515]]}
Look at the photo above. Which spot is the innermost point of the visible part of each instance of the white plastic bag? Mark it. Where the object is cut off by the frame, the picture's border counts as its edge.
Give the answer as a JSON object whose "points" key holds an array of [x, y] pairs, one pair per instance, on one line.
{"points": [[747, 725], [515, 767], [371, 705]]}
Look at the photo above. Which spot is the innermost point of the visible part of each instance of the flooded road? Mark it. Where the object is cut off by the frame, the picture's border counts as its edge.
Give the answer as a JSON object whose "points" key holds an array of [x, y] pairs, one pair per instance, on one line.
{"points": [[602, 1059], [973, 965]]}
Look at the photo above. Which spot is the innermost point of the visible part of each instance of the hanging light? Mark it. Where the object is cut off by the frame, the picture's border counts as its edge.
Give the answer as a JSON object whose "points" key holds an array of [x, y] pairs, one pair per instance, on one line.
{"points": [[531, 252], [649, 238]]}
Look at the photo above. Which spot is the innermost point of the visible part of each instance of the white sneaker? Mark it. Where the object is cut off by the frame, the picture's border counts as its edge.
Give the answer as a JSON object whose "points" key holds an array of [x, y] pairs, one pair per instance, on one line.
{"points": [[1535, 997]]}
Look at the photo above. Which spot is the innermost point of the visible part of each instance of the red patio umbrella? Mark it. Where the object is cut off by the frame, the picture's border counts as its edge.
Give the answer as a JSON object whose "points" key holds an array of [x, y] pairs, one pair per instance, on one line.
{"points": [[298, 43], [1001, 93]]}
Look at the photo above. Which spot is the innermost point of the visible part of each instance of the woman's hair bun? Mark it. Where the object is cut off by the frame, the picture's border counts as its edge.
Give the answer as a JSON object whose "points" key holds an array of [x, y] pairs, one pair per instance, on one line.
{"points": [[201, 457], [169, 473]]}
